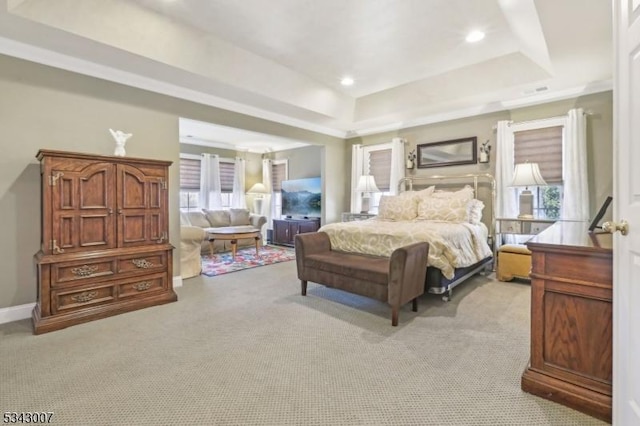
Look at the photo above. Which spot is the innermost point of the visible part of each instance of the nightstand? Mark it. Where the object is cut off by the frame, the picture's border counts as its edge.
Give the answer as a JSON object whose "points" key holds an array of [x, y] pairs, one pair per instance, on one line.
{"points": [[350, 217], [516, 226]]}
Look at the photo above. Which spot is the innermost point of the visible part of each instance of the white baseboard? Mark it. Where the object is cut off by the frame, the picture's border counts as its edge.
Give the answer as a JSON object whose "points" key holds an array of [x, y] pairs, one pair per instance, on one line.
{"points": [[20, 312], [177, 281], [16, 313]]}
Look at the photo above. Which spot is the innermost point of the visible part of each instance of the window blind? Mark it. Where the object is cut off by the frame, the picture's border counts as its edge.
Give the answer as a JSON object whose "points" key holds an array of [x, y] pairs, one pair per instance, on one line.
{"points": [[380, 168], [226, 176], [278, 174], [542, 146], [189, 174]]}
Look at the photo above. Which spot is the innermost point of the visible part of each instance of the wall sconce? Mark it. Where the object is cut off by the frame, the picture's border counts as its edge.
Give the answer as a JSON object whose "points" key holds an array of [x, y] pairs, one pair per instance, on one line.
{"points": [[411, 158], [485, 149]]}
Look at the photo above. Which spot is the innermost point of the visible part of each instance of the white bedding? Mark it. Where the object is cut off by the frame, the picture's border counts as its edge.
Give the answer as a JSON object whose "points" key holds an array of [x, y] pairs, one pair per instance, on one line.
{"points": [[451, 245]]}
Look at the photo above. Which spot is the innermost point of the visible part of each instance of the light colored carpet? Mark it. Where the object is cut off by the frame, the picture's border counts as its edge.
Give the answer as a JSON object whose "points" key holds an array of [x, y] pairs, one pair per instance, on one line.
{"points": [[247, 349]]}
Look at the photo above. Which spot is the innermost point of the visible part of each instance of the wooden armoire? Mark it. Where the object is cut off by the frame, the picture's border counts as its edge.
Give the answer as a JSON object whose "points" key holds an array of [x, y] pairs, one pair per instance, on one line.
{"points": [[104, 247]]}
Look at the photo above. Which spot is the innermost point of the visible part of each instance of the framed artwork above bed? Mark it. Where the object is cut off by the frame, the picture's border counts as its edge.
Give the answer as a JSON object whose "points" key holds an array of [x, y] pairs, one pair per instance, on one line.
{"points": [[448, 153]]}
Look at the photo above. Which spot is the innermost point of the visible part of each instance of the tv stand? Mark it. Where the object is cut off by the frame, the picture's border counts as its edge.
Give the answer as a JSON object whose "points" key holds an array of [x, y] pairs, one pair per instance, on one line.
{"points": [[285, 230]]}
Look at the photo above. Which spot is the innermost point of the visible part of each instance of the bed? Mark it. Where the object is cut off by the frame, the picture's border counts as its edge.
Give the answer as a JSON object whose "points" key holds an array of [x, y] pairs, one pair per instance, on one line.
{"points": [[435, 209]]}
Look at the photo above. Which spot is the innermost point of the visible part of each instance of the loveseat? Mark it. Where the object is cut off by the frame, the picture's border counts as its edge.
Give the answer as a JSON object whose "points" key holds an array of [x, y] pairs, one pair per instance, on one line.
{"points": [[194, 228]]}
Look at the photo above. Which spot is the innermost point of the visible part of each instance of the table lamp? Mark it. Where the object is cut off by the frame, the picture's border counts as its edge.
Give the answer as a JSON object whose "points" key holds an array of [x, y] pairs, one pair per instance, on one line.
{"points": [[367, 185], [258, 190], [527, 174]]}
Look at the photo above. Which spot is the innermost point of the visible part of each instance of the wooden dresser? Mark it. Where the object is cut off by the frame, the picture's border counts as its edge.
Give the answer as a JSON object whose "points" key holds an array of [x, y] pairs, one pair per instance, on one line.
{"points": [[104, 247], [571, 318]]}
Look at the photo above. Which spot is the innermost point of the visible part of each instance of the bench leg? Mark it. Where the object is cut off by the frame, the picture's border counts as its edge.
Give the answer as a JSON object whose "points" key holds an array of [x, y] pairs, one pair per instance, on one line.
{"points": [[303, 287], [394, 316], [414, 305]]}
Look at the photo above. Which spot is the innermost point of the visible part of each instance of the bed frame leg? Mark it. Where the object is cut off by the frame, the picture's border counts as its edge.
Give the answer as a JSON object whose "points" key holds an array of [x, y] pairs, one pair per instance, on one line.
{"points": [[447, 297], [394, 316], [414, 305], [303, 287]]}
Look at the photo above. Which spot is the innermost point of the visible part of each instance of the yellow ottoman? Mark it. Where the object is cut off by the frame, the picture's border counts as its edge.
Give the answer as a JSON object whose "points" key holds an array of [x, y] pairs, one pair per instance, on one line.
{"points": [[514, 260]]}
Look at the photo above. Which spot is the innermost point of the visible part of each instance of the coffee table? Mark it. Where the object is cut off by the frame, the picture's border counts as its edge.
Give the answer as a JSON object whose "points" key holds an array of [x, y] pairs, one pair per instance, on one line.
{"points": [[233, 234]]}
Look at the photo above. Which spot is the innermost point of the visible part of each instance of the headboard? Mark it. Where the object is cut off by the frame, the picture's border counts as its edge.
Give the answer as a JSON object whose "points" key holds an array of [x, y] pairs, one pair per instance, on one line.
{"points": [[478, 181]]}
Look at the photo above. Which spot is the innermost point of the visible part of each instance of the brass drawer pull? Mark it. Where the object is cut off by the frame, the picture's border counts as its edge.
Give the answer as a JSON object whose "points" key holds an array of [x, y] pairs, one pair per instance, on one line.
{"points": [[142, 286], [84, 270], [143, 263], [85, 296]]}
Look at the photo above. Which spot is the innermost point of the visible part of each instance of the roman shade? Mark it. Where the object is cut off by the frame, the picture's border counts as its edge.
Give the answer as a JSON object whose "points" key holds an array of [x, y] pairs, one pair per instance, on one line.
{"points": [[189, 174], [278, 174], [380, 168], [226, 176], [541, 146]]}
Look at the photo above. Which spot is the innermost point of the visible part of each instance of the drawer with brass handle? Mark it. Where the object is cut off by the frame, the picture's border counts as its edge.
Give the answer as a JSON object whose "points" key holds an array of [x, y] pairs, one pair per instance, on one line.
{"points": [[148, 262], [142, 286], [68, 300]]}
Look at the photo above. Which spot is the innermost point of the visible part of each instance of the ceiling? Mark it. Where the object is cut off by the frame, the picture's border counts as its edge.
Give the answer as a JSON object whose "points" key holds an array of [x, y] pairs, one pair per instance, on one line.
{"points": [[283, 60]]}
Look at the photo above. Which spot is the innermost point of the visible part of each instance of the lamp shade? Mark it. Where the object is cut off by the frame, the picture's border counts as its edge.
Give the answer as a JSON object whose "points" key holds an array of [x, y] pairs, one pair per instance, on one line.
{"points": [[367, 183], [527, 174], [258, 188]]}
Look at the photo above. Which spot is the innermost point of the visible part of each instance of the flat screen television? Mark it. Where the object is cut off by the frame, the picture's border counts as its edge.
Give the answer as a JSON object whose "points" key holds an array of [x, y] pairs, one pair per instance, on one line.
{"points": [[302, 197]]}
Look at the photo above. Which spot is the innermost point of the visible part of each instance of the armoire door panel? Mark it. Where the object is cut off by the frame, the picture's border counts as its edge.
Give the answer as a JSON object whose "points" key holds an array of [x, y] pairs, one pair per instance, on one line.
{"points": [[95, 230], [93, 190], [83, 206], [132, 182], [146, 223], [155, 194], [133, 229]]}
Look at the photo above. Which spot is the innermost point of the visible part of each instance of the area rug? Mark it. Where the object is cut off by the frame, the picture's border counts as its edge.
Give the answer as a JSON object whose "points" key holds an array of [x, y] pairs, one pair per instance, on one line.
{"points": [[222, 263]]}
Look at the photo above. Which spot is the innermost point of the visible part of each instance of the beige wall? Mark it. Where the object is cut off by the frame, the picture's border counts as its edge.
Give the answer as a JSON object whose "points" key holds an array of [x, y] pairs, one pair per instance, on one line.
{"points": [[599, 139], [43, 107]]}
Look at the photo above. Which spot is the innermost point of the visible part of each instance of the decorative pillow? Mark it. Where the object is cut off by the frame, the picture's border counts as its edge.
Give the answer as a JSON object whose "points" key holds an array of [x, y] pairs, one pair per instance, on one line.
{"points": [[198, 219], [450, 209], [397, 207], [474, 211], [422, 193], [218, 218], [239, 217], [466, 193]]}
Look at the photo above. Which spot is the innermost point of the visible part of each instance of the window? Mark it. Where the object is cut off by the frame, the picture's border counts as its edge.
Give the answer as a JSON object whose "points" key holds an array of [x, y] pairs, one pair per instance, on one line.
{"points": [[226, 182], [543, 146], [189, 183], [378, 164], [278, 174]]}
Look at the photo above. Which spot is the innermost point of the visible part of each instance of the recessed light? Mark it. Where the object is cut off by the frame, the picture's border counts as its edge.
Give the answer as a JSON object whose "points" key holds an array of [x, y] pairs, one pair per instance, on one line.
{"points": [[347, 81], [474, 36]]}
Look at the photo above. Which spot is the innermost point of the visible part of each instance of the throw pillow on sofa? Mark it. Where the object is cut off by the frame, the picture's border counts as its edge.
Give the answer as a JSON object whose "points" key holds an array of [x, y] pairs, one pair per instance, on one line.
{"points": [[198, 219], [217, 218], [239, 217]]}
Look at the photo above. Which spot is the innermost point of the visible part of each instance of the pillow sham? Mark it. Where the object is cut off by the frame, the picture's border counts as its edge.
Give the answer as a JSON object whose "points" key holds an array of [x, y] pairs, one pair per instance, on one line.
{"points": [[465, 193], [397, 207], [474, 211], [450, 209]]}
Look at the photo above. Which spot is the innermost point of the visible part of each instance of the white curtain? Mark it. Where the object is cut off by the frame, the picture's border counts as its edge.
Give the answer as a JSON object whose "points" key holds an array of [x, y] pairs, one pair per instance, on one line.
{"points": [[210, 193], [575, 202], [506, 202], [238, 199], [397, 164], [357, 159], [268, 206]]}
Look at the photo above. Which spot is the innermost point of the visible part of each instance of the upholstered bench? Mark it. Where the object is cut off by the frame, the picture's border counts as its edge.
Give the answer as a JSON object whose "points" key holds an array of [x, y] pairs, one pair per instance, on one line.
{"points": [[396, 280], [514, 261]]}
